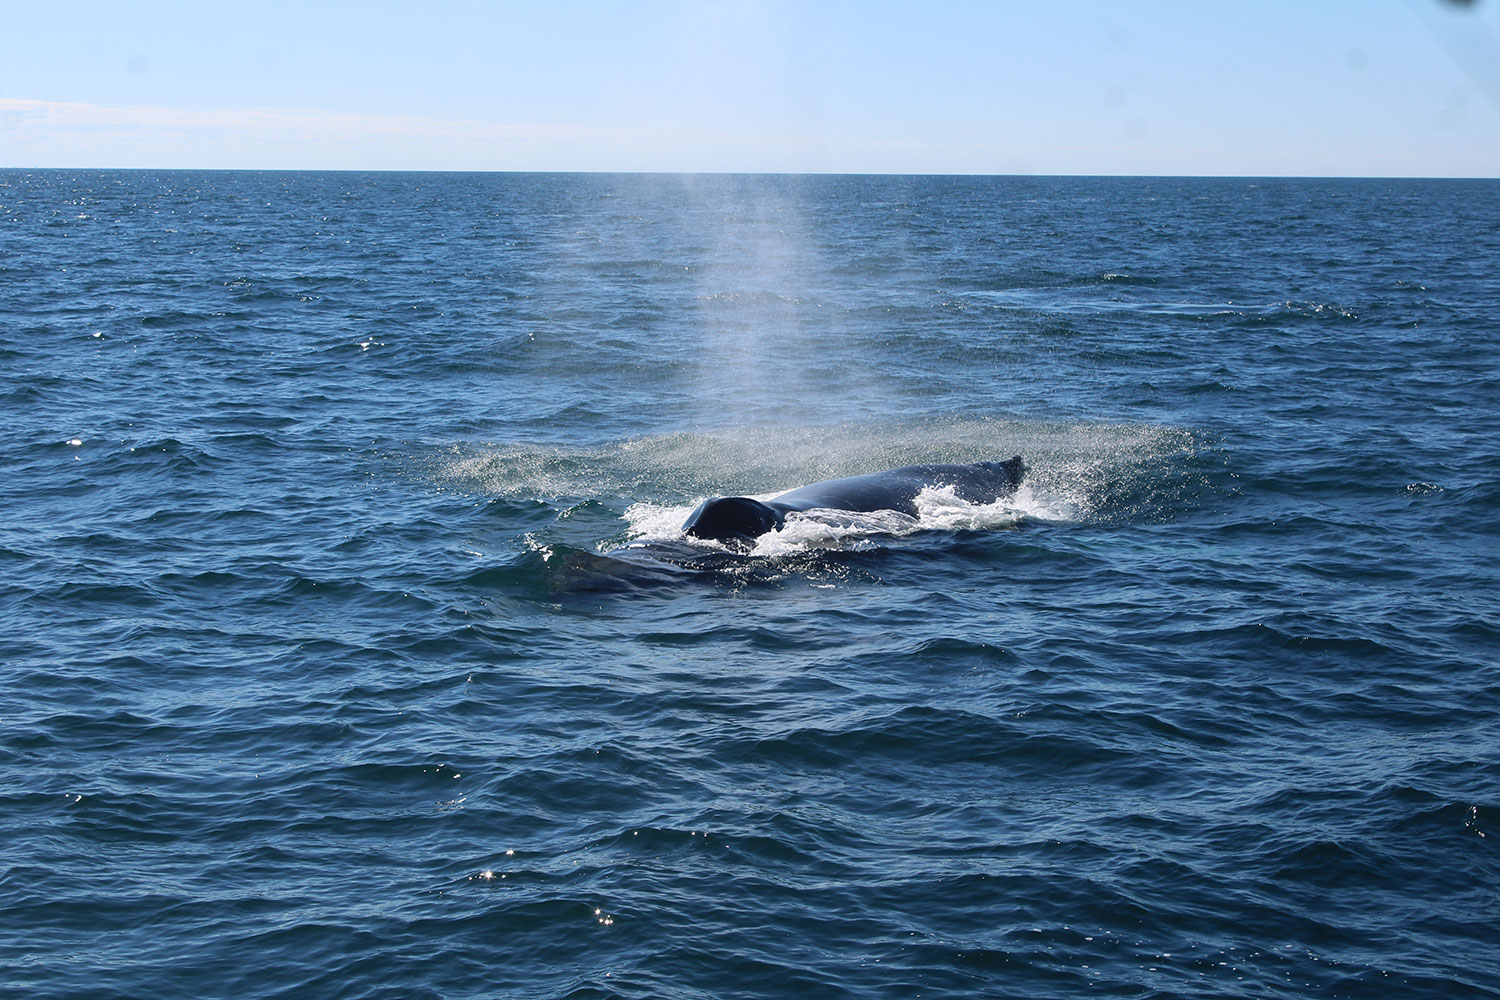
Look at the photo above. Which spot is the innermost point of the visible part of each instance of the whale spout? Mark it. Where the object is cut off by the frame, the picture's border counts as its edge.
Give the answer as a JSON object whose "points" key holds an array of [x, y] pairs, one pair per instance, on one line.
{"points": [[732, 519]]}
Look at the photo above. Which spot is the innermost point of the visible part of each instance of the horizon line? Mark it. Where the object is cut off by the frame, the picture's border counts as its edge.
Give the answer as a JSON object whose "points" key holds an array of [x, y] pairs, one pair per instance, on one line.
{"points": [[575, 171]]}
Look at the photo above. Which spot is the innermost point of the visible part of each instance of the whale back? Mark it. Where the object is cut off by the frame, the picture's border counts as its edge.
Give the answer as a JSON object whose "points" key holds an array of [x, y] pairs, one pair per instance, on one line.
{"points": [[745, 519], [897, 489], [732, 519]]}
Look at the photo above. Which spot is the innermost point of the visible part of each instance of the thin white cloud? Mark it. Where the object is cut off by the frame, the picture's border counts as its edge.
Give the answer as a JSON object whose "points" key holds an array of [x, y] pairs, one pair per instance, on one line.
{"points": [[42, 133], [23, 113], [61, 133]]}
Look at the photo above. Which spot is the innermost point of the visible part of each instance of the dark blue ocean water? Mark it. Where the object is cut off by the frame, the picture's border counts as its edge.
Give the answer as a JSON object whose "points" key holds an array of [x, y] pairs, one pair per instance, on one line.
{"points": [[347, 648]]}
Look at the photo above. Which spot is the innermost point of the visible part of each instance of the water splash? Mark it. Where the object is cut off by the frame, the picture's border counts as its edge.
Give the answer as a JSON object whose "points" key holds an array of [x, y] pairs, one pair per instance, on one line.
{"points": [[1075, 472]]}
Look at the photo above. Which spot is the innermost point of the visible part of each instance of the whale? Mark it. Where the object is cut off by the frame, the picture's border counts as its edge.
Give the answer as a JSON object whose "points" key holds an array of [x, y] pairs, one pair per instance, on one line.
{"points": [[741, 520]]}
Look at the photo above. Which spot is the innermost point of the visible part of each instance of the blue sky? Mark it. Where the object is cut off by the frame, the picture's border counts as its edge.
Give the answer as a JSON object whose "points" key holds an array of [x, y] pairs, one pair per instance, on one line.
{"points": [[1362, 88]]}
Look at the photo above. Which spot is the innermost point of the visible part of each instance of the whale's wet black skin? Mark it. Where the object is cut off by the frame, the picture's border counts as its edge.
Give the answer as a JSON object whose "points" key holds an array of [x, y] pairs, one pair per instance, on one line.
{"points": [[741, 519]]}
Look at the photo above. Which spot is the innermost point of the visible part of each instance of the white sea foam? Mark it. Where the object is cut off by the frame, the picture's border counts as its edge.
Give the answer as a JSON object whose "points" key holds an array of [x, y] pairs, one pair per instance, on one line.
{"points": [[749, 460], [655, 522], [1075, 472]]}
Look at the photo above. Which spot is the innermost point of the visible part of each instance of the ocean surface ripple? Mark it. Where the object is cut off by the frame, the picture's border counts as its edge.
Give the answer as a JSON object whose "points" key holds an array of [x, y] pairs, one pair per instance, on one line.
{"points": [[350, 648]]}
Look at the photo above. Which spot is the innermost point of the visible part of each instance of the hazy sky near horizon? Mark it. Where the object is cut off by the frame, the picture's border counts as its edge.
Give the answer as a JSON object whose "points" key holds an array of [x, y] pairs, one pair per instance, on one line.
{"points": [[1283, 87]]}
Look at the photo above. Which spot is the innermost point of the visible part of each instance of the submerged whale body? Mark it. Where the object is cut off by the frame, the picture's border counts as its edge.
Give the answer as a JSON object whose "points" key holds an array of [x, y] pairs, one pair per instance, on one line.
{"points": [[743, 519]]}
